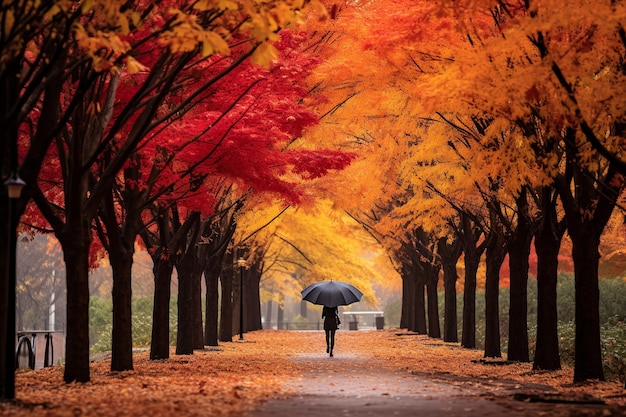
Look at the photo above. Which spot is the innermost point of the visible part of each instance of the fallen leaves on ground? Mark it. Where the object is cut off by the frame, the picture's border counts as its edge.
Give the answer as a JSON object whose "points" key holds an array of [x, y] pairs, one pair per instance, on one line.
{"points": [[241, 374], [454, 364]]}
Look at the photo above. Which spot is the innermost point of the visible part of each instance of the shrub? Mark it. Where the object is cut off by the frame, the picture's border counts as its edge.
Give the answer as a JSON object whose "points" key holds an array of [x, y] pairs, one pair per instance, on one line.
{"points": [[612, 317], [613, 334], [393, 311], [100, 322], [300, 322]]}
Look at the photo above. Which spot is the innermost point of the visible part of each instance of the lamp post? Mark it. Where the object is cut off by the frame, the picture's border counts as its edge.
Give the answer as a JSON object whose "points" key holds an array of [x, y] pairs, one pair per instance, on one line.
{"points": [[14, 189], [241, 262]]}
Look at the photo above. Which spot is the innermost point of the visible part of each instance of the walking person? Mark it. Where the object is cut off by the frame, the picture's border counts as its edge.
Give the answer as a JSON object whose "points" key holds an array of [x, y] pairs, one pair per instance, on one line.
{"points": [[331, 323]]}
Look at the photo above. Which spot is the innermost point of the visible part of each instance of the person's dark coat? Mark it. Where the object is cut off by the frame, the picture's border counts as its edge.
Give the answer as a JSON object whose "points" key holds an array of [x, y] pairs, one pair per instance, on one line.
{"points": [[331, 318]]}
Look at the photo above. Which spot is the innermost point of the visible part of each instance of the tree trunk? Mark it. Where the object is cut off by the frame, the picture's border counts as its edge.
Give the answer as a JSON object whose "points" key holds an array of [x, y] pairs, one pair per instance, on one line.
{"points": [[76, 244], [468, 330], [75, 238], [450, 331], [5, 330], [547, 356], [432, 280], [238, 288], [450, 254], [198, 329], [184, 337], [587, 212], [121, 258], [122, 229], [254, 299], [519, 252], [28, 166], [494, 258], [119, 242], [160, 342], [406, 322], [212, 306], [9, 304], [411, 301], [226, 311], [588, 351], [202, 257], [419, 303], [9, 91], [218, 235], [471, 259], [547, 245], [188, 266]]}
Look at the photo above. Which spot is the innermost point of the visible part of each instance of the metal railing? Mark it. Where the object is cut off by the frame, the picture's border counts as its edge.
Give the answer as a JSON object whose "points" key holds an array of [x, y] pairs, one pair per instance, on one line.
{"points": [[27, 347], [349, 322], [294, 326]]}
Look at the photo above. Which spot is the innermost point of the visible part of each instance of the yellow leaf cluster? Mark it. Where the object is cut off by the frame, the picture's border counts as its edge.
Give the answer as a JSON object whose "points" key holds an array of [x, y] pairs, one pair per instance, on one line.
{"points": [[264, 55], [307, 245], [187, 34], [93, 41], [102, 37]]}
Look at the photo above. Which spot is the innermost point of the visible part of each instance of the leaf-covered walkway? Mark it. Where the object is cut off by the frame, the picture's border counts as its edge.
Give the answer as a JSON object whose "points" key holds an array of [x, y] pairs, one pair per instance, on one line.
{"points": [[402, 374], [276, 373]]}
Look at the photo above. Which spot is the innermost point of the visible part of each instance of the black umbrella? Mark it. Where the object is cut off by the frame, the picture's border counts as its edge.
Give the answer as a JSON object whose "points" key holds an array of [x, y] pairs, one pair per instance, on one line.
{"points": [[331, 293]]}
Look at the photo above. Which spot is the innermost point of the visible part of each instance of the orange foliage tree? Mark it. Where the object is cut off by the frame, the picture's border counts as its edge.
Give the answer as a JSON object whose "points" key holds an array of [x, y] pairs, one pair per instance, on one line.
{"points": [[533, 85]]}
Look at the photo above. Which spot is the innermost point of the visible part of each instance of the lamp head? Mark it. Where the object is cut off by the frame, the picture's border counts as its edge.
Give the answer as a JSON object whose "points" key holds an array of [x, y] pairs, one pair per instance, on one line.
{"points": [[14, 185]]}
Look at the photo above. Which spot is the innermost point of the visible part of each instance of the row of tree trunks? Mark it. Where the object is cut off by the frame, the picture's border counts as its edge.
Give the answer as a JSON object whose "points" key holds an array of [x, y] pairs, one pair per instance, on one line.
{"points": [[250, 295], [548, 233], [218, 236]]}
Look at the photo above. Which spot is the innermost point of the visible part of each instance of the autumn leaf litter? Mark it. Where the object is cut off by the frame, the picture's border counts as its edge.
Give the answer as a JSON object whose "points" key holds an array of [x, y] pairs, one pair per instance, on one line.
{"points": [[241, 374]]}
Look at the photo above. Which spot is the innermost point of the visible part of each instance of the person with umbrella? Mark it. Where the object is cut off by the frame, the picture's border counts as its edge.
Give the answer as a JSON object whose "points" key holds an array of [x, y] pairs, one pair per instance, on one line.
{"points": [[331, 324], [331, 294]]}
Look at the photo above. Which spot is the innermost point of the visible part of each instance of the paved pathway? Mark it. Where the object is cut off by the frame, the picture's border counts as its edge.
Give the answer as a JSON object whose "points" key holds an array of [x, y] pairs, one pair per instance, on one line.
{"points": [[347, 385]]}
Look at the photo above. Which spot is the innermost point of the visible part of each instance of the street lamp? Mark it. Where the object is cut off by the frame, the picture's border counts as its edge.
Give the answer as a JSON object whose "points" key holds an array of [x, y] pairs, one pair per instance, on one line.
{"points": [[241, 262], [14, 188]]}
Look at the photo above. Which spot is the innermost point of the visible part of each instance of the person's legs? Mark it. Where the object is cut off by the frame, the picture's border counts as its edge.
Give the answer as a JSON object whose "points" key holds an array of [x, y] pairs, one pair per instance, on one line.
{"points": [[327, 340], [332, 341]]}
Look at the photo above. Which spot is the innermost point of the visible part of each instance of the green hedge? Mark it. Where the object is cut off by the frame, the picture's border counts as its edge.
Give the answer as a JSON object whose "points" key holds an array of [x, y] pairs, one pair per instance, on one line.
{"points": [[100, 326], [612, 316], [612, 319]]}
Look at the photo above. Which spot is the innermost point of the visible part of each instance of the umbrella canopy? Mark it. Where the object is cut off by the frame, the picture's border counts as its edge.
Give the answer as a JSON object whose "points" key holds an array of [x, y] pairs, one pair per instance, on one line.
{"points": [[331, 293]]}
